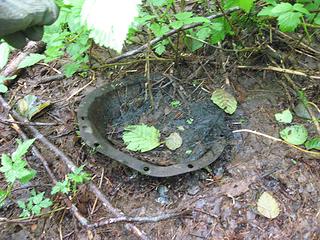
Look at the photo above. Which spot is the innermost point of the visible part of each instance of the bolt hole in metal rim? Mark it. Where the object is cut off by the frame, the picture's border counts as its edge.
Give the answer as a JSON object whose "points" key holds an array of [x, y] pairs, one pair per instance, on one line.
{"points": [[93, 117]]}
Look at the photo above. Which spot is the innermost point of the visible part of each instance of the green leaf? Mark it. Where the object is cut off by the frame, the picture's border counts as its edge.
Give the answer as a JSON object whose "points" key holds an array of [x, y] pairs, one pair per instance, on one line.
{"points": [[22, 149], [281, 8], [246, 5], [79, 176], [284, 117], [71, 68], [266, 11], [31, 60], [37, 198], [289, 21], [224, 100], [45, 203], [141, 138], [3, 88], [27, 175], [218, 32], [314, 143], [63, 187], [203, 33], [6, 163], [159, 30], [300, 8], [4, 54], [182, 16], [176, 24], [295, 135], [158, 3], [268, 206], [160, 48], [174, 141]]}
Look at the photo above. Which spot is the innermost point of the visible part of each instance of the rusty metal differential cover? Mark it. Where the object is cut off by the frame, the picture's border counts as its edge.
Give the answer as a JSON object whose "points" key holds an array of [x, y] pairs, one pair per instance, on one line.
{"points": [[120, 103]]}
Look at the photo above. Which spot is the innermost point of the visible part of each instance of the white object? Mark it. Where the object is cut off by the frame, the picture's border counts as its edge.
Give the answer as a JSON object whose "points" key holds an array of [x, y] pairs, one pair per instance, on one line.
{"points": [[109, 20]]}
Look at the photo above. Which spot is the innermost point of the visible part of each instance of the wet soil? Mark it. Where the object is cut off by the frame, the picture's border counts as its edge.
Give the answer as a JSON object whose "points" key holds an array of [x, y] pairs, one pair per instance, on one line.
{"points": [[222, 197]]}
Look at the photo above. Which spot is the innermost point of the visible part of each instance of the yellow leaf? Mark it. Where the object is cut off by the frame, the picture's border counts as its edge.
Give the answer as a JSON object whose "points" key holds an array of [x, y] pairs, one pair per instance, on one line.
{"points": [[268, 206]]}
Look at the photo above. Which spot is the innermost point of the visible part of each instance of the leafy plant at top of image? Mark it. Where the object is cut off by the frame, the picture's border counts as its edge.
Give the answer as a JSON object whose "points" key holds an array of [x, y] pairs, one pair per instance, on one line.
{"points": [[161, 20], [290, 16], [15, 168], [68, 35]]}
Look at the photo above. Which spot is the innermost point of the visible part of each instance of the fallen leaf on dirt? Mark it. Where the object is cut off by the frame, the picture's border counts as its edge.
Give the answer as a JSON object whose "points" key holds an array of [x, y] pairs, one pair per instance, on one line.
{"points": [[174, 141], [268, 206], [284, 116], [30, 106], [295, 135], [224, 100]]}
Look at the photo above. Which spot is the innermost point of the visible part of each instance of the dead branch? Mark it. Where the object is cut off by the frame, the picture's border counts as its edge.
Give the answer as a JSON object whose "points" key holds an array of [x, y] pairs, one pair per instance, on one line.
{"points": [[8, 121], [280, 70], [168, 34], [147, 219]]}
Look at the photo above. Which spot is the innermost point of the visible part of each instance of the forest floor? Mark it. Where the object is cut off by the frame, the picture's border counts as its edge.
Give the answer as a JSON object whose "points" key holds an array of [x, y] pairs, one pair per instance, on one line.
{"points": [[222, 199]]}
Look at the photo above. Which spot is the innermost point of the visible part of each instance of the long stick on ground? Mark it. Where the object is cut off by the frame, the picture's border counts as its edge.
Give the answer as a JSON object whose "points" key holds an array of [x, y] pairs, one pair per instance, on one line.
{"points": [[71, 166], [148, 219]]}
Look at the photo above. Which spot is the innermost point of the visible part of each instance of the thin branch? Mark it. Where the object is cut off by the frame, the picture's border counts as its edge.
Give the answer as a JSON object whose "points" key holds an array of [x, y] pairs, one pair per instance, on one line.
{"points": [[7, 121], [146, 219], [280, 70]]}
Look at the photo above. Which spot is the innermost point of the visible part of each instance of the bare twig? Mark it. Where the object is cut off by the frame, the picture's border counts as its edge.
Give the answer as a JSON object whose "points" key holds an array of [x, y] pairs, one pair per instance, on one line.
{"points": [[7, 121], [51, 79], [148, 219], [280, 70]]}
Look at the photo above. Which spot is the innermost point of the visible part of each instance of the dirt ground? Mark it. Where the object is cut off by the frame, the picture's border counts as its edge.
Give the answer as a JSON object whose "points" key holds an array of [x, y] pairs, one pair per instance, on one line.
{"points": [[222, 198]]}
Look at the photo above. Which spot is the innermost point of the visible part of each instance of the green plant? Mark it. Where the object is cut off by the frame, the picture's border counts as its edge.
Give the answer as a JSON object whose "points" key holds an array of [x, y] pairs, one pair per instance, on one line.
{"points": [[175, 103], [68, 35], [290, 16], [34, 204], [71, 182], [3, 87], [15, 168]]}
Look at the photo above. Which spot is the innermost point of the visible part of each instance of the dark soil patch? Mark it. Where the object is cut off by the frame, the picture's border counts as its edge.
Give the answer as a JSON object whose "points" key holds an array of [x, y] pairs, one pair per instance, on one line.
{"points": [[177, 108]]}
